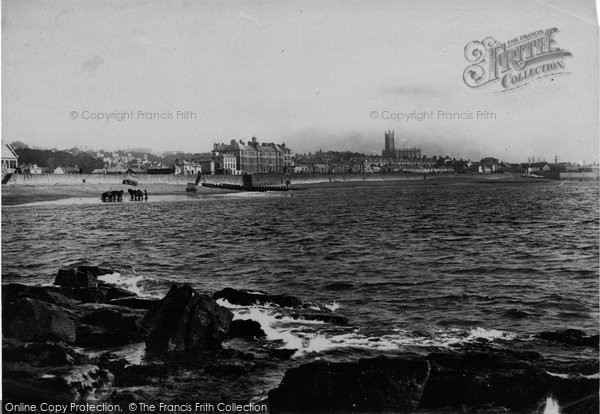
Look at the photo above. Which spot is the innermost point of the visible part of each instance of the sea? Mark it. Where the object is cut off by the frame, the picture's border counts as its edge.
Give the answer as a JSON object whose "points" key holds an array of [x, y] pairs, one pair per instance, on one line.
{"points": [[415, 266]]}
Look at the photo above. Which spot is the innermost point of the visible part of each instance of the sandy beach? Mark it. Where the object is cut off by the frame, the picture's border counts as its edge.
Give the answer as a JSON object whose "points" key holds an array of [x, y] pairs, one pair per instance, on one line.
{"points": [[14, 195], [22, 194]]}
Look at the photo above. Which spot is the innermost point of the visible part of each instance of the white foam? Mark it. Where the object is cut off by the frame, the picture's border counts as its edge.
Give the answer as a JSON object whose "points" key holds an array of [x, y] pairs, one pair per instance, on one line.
{"points": [[130, 283], [551, 406], [267, 320], [489, 334], [333, 307], [279, 327], [569, 376], [300, 334], [226, 304], [441, 339]]}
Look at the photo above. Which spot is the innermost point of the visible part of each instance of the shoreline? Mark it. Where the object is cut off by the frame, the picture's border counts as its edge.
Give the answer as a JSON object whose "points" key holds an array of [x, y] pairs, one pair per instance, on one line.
{"points": [[97, 318], [18, 194]]}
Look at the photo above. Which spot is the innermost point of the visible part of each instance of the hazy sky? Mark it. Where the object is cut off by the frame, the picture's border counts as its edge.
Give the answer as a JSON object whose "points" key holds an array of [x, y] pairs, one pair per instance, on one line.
{"points": [[308, 73]]}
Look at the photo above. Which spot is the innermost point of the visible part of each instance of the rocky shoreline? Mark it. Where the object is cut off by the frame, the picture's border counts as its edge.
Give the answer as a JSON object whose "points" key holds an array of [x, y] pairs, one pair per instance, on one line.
{"points": [[61, 344]]}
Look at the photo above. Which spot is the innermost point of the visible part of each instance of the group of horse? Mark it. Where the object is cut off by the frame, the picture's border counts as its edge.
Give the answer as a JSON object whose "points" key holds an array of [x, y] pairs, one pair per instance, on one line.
{"points": [[112, 196], [136, 195]]}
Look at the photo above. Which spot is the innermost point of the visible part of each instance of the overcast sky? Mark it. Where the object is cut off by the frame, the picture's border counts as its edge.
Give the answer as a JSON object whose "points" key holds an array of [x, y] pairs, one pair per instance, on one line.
{"points": [[308, 73]]}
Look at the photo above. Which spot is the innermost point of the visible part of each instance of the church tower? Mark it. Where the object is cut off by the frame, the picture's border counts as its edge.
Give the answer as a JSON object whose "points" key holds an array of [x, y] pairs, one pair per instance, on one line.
{"points": [[389, 144]]}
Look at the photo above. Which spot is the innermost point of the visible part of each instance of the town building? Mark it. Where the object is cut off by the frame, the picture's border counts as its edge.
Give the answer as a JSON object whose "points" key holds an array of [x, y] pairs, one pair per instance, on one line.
{"points": [[10, 159], [402, 159], [226, 163], [185, 167], [253, 157], [31, 169], [207, 166], [390, 150], [66, 170]]}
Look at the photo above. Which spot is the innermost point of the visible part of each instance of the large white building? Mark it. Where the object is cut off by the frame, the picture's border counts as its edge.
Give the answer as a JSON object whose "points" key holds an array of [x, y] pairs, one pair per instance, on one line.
{"points": [[253, 157], [10, 159]]}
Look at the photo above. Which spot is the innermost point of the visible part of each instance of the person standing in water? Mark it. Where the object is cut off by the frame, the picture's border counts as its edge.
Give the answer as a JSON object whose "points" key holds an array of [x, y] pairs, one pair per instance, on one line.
{"points": [[145, 195]]}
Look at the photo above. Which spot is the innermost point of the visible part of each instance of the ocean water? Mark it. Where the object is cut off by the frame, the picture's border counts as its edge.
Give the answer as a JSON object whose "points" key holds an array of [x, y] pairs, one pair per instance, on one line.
{"points": [[415, 266]]}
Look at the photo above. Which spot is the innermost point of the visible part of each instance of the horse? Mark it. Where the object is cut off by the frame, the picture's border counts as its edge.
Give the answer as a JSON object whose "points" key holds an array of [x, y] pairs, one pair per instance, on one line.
{"points": [[112, 196], [136, 195]]}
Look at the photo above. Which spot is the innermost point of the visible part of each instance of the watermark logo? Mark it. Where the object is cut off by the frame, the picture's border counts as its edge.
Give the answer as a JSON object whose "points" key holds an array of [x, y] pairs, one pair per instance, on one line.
{"points": [[516, 62], [138, 115], [437, 115]]}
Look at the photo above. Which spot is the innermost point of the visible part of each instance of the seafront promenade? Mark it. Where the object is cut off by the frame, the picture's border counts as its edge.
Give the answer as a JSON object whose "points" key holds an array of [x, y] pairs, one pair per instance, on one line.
{"points": [[170, 179], [32, 188], [23, 188]]}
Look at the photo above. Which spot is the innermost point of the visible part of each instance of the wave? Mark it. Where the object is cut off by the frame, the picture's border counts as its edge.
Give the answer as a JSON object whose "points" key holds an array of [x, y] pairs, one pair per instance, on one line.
{"points": [[130, 283], [315, 337]]}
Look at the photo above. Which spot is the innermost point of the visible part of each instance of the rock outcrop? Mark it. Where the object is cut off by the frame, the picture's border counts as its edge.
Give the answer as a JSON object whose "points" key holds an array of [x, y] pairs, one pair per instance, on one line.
{"points": [[369, 385], [322, 316], [479, 379], [110, 327], [185, 320], [49, 372], [496, 380], [248, 298], [37, 321], [83, 276], [245, 328]]}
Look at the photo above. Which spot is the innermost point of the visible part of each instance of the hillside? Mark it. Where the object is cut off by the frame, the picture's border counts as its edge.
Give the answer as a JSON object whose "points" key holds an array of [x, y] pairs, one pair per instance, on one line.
{"points": [[53, 159]]}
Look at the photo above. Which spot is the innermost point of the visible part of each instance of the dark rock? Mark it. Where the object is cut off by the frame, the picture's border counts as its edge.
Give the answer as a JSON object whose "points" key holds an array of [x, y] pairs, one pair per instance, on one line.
{"points": [[377, 384], [35, 320], [332, 318], [245, 328], [573, 337], [40, 354], [134, 302], [89, 336], [484, 379], [247, 298], [26, 383], [121, 320], [576, 395], [109, 327], [186, 321], [101, 293], [83, 276], [81, 294], [94, 271], [127, 375], [283, 353], [579, 367], [112, 292], [14, 291]]}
